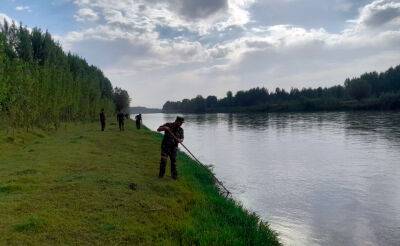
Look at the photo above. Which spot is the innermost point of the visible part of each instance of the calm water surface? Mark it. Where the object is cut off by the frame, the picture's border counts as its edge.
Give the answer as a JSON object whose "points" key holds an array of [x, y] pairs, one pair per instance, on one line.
{"points": [[318, 178]]}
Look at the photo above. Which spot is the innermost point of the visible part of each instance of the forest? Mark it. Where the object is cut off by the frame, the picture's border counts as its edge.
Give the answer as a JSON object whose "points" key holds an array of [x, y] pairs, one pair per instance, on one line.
{"points": [[370, 91], [41, 85]]}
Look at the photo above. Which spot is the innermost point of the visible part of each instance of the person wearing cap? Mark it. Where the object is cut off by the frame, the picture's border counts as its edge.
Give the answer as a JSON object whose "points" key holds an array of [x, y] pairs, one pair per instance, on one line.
{"points": [[120, 119], [138, 119], [102, 117], [173, 135]]}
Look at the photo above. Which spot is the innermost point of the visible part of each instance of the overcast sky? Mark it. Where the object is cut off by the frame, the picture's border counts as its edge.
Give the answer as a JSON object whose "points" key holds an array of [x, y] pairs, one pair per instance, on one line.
{"points": [[163, 50]]}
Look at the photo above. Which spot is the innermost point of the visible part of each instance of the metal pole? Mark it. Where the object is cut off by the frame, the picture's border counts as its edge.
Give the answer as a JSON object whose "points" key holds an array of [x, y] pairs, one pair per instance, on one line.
{"points": [[194, 157]]}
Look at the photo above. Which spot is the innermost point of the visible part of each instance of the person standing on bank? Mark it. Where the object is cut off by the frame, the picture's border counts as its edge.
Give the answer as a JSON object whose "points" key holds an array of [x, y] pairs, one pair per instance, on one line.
{"points": [[120, 119], [138, 119], [172, 137], [102, 120]]}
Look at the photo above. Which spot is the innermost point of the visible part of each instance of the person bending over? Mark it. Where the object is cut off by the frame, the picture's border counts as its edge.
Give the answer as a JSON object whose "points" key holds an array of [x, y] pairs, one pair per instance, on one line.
{"points": [[173, 135]]}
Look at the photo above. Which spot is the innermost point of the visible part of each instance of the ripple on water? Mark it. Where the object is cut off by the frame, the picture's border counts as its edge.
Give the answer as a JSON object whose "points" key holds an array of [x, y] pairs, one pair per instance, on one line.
{"points": [[318, 178]]}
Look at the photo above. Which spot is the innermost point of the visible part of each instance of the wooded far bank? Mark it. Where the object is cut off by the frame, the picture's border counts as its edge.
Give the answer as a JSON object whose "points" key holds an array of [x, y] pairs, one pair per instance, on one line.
{"points": [[370, 91]]}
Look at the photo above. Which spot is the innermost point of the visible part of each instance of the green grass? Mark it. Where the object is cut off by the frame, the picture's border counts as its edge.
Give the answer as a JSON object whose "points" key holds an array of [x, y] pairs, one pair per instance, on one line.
{"points": [[80, 186]]}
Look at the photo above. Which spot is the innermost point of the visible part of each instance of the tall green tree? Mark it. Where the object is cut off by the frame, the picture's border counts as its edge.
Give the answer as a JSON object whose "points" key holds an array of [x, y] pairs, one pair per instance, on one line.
{"points": [[121, 99], [42, 85], [358, 89]]}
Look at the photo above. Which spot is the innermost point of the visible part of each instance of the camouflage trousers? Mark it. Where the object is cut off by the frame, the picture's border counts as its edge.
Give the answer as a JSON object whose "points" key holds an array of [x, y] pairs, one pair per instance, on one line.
{"points": [[168, 151], [121, 125]]}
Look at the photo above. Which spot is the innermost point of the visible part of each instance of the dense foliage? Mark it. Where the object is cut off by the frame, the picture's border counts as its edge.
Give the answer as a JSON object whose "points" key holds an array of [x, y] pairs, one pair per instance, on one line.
{"points": [[42, 85], [121, 99], [369, 91]]}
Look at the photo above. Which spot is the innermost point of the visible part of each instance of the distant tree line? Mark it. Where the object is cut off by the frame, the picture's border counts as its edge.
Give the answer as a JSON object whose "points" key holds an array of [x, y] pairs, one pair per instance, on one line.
{"points": [[41, 85], [370, 91], [144, 110]]}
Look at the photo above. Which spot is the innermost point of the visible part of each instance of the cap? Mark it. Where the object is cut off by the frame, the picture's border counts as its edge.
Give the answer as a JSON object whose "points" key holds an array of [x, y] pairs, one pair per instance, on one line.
{"points": [[180, 119]]}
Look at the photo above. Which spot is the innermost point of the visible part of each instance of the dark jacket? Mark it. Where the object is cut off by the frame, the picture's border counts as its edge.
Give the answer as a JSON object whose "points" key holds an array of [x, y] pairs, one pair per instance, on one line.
{"points": [[102, 117], [168, 140]]}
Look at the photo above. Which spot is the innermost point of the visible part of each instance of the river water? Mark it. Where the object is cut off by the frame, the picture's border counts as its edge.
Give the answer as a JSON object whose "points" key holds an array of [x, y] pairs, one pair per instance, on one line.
{"points": [[317, 178]]}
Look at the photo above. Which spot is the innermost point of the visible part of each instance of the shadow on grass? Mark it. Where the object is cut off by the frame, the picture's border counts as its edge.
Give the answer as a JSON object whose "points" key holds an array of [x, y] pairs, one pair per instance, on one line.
{"points": [[8, 189], [31, 225]]}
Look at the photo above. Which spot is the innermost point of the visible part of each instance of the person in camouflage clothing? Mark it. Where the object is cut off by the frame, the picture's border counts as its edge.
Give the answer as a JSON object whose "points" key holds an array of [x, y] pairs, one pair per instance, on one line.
{"points": [[169, 146], [102, 117]]}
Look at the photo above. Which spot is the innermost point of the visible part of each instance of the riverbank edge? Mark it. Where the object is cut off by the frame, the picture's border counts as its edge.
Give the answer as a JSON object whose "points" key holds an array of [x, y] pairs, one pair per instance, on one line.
{"points": [[256, 231], [200, 214]]}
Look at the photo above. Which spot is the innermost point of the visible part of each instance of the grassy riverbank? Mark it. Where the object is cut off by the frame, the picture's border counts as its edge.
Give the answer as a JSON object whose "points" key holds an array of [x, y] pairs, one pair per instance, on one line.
{"points": [[72, 186]]}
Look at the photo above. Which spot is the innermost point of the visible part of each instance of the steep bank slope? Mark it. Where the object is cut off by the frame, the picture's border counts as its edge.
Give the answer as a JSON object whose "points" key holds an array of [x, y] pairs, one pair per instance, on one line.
{"points": [[82, 186]]}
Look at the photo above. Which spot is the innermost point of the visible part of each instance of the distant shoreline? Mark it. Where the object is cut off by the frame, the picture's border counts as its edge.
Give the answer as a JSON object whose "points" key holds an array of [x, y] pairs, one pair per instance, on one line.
{"points": [[143, 110], [307, 107], [370, 91]]}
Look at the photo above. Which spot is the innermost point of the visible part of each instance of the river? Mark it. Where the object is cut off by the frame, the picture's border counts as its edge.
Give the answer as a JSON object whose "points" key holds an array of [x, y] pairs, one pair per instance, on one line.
{"points": [[317, 178]]}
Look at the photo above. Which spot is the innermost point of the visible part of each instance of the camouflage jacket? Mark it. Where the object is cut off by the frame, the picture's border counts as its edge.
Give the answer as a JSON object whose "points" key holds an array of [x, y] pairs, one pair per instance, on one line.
{"points": [[169, 140]]}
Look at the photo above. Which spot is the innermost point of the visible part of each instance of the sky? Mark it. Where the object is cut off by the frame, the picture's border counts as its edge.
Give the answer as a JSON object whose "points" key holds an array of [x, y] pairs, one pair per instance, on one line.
{"points": [[160, 50]]}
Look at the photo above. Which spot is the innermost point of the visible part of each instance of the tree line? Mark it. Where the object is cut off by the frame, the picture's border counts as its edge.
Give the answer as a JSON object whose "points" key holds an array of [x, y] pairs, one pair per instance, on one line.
{"points": [[370, 91], [41, 85]]}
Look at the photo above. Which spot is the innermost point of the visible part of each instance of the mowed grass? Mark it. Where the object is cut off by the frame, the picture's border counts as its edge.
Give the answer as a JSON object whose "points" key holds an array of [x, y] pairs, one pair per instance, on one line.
{"points": [[81, 186]]}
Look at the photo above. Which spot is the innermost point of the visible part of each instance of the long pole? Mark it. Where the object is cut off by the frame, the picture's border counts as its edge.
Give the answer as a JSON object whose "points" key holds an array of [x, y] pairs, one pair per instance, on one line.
{"points": [[194, 157]]}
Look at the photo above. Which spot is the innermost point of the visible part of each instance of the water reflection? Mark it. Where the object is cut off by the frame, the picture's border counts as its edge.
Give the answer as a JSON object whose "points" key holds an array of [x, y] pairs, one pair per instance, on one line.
{"points": [[318, 178], [379, 124], [230, 122]]}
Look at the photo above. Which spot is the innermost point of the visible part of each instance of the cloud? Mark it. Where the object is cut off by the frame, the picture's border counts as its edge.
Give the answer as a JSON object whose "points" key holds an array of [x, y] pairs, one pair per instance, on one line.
{"points": [[361, 34], [379, 13], [201, 9], [4, 17], [209, 48], [139, 22], [197, 16], [23, 8], [86, 14]]}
